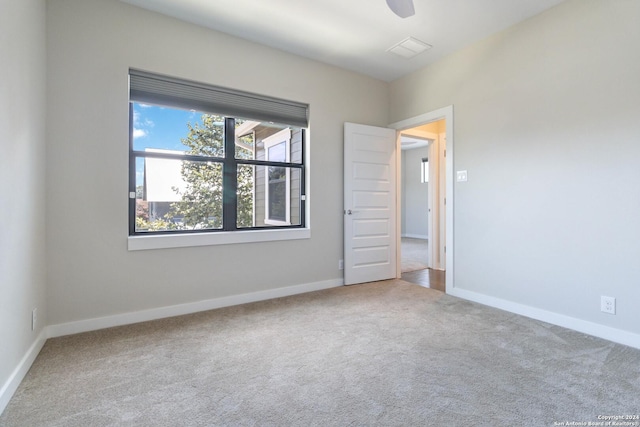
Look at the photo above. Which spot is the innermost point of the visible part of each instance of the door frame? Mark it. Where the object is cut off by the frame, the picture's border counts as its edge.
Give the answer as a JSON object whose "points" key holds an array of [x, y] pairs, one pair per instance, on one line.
{"points": [[445, 113]]}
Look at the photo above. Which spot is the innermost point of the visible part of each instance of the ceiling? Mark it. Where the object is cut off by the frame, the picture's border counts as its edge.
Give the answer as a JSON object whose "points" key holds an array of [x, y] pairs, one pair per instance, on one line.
{"points": [[354, 34], [410, 142]]}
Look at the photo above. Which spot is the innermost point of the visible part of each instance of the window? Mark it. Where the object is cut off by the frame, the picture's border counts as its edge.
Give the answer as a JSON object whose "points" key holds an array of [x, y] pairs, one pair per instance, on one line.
{"points": [[277, 179], [205, 159], [424, 170]]}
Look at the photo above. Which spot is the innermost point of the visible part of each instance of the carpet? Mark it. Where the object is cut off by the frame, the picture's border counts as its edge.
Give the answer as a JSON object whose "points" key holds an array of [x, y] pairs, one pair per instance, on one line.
{"points": [[386, 353]]}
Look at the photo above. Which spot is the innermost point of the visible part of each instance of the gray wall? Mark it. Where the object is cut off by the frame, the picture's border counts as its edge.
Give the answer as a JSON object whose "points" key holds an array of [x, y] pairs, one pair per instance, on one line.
{"points": [[547, 125], [415, 203], [22, 193], [92, 44]]}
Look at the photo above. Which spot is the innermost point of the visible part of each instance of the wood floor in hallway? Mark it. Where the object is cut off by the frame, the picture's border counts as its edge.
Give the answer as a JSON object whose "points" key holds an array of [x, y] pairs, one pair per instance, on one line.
{"points": [[428, 278]]}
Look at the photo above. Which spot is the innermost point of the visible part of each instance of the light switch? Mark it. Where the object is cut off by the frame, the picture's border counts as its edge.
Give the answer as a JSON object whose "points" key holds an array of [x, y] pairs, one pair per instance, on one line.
{"points": [[461, 176]]}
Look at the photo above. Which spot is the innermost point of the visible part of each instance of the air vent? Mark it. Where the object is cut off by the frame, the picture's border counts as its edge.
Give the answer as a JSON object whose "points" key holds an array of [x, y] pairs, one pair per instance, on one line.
{"points": [[409, 47]]}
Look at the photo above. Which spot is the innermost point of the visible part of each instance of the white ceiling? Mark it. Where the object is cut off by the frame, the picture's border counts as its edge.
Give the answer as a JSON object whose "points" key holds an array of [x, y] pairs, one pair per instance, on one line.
{"points": [[408, 142], [354, 34]]}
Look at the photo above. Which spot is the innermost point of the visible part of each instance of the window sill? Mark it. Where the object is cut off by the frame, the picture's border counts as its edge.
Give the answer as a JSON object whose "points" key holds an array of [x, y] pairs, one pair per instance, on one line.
{"points": [[141, 243]]}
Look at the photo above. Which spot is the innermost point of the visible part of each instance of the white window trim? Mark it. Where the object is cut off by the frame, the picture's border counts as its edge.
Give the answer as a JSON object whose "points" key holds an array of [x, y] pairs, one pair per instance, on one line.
{"points": [[277, 138], [165, 241]]}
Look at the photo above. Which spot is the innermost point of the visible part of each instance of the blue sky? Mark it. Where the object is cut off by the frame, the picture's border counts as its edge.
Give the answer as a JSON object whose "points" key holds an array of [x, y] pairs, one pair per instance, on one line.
{"points": [[161, 127]]}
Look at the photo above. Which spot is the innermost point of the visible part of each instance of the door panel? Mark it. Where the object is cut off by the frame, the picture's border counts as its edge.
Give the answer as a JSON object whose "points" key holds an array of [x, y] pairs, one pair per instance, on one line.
{"points": [[369, 203]]}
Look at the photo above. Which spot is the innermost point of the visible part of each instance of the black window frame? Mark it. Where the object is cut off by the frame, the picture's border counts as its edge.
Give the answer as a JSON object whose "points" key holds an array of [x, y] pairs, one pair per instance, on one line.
{"points": [[229, 169]]}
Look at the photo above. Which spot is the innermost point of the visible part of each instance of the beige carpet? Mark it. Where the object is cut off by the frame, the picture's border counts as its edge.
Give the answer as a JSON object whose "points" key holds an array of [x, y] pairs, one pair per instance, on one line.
{"points": [[414, 254], [387, 353]]}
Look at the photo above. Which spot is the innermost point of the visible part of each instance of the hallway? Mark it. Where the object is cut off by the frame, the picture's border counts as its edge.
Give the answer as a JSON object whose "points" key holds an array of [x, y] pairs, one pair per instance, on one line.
{"points": [[415, 265]]}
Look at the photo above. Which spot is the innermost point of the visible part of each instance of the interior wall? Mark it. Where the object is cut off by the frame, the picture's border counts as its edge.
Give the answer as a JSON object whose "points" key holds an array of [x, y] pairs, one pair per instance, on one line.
{"points": [[546, 124], [415, 203], [91, 46], [22, 151]]}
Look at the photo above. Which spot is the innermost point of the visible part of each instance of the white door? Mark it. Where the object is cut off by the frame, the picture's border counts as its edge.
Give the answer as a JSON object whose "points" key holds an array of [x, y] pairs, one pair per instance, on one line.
{"points": [[369, 203]]}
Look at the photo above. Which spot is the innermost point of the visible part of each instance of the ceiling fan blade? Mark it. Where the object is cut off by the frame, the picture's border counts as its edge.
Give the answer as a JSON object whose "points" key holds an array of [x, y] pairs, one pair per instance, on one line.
{"points": [[402, 8]]}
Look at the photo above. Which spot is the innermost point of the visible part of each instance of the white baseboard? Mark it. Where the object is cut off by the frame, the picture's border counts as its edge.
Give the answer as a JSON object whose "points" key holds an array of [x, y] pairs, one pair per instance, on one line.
{"points": [[11, 385], [611, 334], [416, 236], [16, 377], [181, 309]]}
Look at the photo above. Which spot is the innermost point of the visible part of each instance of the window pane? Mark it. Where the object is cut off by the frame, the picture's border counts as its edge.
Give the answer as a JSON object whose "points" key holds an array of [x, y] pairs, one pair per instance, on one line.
{"points": [[187, 131], [246, 196], [276, 196], [295, 146], [295, 190], [178, 195], [245, 138]]}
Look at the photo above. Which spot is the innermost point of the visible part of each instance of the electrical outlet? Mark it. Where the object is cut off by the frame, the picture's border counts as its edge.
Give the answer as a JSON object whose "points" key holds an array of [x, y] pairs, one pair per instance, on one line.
{"points": [[34, 319], [341, 264], [608, 305]]}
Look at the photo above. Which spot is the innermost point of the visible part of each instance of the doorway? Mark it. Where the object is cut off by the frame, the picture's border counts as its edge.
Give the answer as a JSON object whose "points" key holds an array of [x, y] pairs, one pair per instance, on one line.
{"points": [[424, 184], [422, 149], [372, 231]]}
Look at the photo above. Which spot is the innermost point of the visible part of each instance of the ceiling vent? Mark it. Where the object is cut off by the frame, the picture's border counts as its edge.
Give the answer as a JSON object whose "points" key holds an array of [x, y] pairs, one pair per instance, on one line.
{"points": [[409, 47]]}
